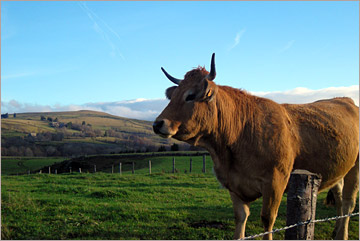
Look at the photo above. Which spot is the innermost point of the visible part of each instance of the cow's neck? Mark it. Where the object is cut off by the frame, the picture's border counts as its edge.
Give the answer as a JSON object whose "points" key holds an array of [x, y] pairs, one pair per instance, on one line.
{"points": [[234, 110]]}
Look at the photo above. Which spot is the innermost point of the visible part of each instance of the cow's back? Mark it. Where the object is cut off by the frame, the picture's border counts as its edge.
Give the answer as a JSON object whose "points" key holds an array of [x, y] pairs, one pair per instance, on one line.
{"points": [[327, 137]]}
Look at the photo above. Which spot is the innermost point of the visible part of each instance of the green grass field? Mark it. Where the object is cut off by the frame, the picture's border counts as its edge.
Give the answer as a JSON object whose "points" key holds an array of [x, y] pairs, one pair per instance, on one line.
{"points": [[165, 165], [21, 165], [15, 165], [133, 206]]}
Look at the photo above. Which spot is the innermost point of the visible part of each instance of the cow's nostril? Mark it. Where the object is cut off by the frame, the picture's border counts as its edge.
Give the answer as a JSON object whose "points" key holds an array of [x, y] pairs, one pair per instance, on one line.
{"points": [[157, 126]]}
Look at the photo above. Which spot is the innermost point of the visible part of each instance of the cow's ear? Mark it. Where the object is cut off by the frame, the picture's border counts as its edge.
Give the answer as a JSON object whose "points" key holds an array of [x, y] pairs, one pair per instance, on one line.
{"points": [[169, 92], [209, 90]]}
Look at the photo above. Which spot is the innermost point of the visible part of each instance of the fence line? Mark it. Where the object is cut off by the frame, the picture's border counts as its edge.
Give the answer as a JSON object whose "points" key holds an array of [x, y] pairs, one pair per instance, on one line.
{"points": [[111, 168], [300, 224]]}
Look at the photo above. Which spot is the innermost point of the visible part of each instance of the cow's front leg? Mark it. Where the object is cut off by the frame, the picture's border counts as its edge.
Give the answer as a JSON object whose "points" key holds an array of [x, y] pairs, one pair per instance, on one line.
{"points": [[272, 194], [241, 211]]}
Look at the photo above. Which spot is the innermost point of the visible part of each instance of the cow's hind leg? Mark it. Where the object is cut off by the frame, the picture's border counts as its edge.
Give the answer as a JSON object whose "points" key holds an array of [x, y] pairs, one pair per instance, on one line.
{"points": [[241, 211], [336, 191], [350, 189]]}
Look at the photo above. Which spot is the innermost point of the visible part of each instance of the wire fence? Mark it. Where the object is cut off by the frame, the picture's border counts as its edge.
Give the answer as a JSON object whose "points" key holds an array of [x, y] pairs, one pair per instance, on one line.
{"points": [[300, 224]]}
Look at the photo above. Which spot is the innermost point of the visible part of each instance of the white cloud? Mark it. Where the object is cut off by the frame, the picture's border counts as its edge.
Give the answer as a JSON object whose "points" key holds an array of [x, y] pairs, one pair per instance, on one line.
{"points": [[302, 95], [287, 46], [17, 75], [135, 109], [144, 109], [237, 39]]}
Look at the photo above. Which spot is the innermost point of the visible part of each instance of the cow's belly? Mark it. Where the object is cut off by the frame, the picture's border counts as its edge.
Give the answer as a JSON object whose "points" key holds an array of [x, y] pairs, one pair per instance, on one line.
{"points": [[246, 188]]}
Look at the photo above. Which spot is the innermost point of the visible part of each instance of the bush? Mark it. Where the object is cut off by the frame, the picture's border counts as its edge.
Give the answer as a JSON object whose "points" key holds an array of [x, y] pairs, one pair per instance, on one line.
{"points": [[175, 147], [161, 149]]}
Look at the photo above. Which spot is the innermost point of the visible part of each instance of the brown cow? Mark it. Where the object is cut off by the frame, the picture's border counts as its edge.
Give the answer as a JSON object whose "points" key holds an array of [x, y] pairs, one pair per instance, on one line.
{"points": [[255, 143]]}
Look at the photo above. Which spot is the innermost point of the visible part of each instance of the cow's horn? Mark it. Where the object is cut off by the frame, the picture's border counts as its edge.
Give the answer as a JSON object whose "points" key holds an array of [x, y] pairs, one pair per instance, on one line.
{"points": [[172, 79], [212, 74]]}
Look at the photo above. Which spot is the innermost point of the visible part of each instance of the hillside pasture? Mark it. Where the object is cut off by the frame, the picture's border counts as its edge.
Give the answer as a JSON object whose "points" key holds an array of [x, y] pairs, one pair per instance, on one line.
{"points": [[30, 122], [109, 134], [24, 126]]}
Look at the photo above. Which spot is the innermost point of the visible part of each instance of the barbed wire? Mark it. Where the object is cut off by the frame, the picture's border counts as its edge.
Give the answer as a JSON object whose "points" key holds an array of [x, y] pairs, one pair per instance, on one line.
{"points": [[300, 224]]}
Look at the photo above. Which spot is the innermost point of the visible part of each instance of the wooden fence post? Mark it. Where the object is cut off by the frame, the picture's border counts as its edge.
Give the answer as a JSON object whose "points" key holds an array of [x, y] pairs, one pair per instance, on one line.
{"points": [[49, 170], [301, 204], [79, 169], [204, 166], [55, 171], [173, 169], [40, 172], [133, 167], [70, 169], [95, 168], [120, 168], [190, 165], [28, 172], [149, 166]]}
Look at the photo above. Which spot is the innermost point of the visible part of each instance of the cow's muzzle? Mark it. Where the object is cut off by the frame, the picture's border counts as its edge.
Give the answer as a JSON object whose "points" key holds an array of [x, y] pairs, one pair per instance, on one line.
{"points": [[157, 125], [162, 127]]}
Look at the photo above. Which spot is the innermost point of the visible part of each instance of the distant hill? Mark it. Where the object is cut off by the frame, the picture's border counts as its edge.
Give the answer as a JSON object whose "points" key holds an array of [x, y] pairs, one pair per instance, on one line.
{"points": [[77, 133]]}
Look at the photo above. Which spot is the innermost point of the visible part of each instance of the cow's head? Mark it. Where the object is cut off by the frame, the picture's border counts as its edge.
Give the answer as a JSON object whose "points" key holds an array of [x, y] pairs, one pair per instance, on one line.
{"points": [[191, 107]]}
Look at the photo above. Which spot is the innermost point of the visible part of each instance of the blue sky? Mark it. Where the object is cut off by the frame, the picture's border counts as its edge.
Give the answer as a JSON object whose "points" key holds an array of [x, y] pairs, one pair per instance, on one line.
{"points": [[61, 54]]}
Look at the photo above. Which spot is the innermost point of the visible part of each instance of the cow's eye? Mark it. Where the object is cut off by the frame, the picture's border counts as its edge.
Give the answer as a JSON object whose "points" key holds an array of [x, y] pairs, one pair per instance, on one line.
{"points": [[190, 97]]}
